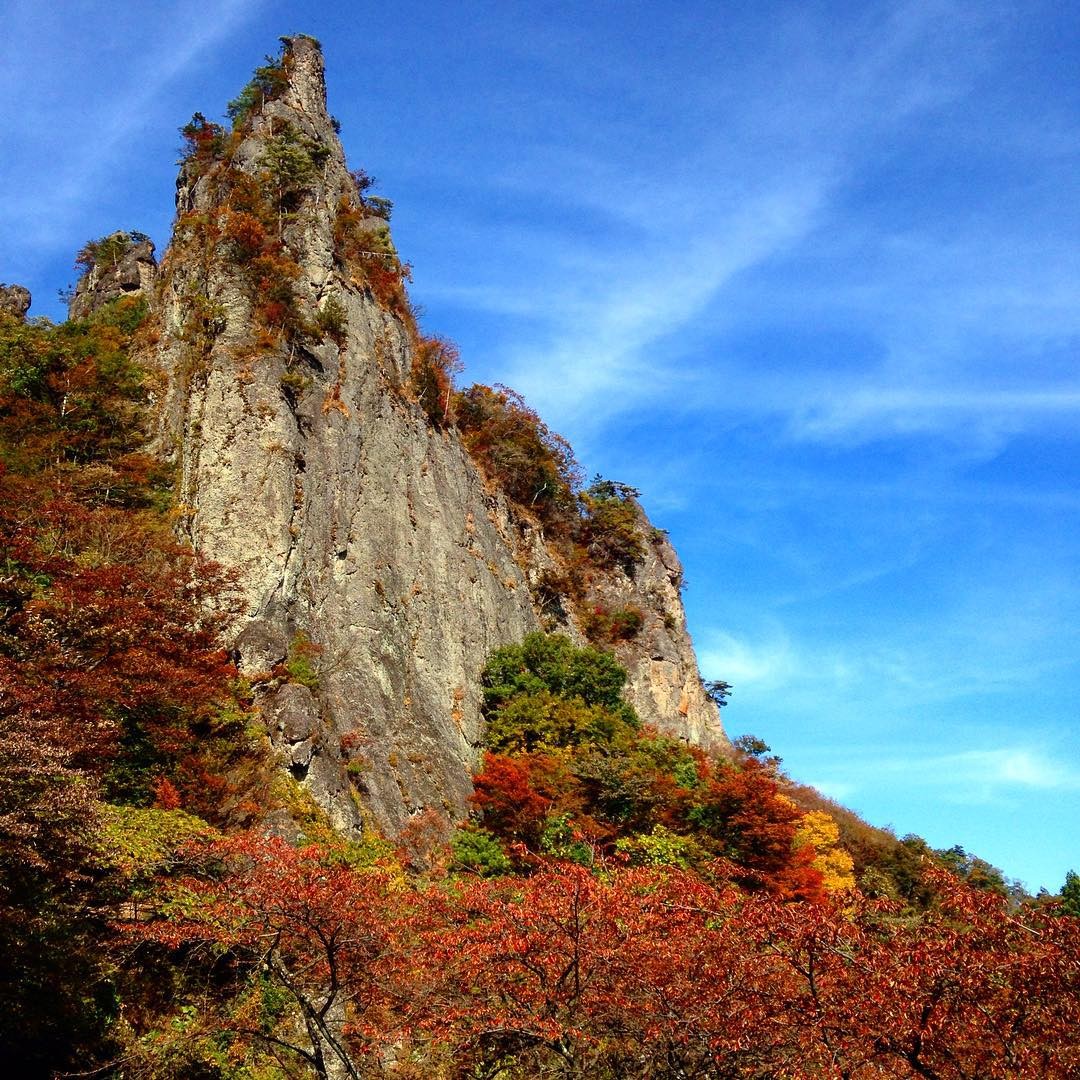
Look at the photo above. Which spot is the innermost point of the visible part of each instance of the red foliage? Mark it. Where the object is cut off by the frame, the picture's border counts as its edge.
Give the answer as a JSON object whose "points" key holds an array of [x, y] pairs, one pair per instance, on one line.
{"points": [[166, 797], [203, 140], [129, 639], [245, 232], [322, 931], [741, 808], [533, 465], [112, 674], [435, 362], [639, 973], [732, 812], [504, 794]]}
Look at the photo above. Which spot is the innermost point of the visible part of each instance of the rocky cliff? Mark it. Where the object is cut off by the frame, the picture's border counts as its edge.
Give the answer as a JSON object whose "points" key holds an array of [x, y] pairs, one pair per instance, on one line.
{"points": [[121, 264], [379, 565]]}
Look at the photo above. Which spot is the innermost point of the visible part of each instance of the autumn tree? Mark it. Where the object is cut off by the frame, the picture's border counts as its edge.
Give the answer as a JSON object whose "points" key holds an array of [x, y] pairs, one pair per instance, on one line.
{"points": [[113, 681], [638, 973], [317, 938]]}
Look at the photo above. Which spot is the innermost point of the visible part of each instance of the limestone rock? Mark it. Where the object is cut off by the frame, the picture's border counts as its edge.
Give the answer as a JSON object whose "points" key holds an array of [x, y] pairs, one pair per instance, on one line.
{"points": [[663, 679], [15, 300]]}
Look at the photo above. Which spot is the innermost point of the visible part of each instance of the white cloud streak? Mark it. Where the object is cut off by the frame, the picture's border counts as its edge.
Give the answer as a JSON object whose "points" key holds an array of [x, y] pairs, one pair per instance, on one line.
{"points": [[969, 778], [759, 175], [94, 124]]}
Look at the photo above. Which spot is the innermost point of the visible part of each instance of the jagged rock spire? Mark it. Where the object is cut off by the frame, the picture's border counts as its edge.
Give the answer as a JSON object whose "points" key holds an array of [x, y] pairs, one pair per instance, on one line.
{"points": [[306, 92], [356, 521]]}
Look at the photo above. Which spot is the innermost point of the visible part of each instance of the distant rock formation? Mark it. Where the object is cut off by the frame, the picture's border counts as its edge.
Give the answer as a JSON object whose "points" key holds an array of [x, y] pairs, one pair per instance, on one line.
{"points": [[15, 300], [121, 264]]}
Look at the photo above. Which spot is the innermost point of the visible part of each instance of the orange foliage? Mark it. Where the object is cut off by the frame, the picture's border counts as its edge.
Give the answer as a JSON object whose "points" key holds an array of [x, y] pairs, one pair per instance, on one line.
{"points": [[504, 794], [533, 465], [435, 362]]}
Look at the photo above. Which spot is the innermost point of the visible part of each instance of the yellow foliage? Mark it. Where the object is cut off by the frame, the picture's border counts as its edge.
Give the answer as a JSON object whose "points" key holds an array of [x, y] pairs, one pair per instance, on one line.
{"points": [[137, 842], [823, 834]]}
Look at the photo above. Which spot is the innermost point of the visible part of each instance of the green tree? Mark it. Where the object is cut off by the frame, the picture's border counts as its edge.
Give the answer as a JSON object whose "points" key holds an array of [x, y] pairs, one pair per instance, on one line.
{"points": [[291, 161], [546, 694], [552, 662], [719, 692], [478, 850], [1070, 894]]}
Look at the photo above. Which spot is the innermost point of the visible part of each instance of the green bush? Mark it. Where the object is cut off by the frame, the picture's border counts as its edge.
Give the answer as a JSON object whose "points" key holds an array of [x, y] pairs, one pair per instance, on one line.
{"points": [[548, 694], [602, 625], [661, 847], [108, 250], [301, 663], [562, 841], [477, 850], [333, 319], [544, 721], [291, 162], [269, 82], [293, 382], [553, 662], [25, 358], [609, 525]]}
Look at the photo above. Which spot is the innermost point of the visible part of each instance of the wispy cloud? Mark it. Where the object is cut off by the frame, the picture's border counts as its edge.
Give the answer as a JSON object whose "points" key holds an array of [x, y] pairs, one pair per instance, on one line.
{"points": [[975, 776], [1004, 635], [190, 34], [834, 789], [970, 778], [882, 411], [787, 146], [767, 663], [89, 131], [755, 203]]}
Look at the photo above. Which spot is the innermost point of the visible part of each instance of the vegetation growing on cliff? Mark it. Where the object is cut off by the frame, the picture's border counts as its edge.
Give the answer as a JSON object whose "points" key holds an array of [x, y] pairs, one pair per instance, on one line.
{"points": [[594, 531], [708, 946], [254, 206], [566, 752]]}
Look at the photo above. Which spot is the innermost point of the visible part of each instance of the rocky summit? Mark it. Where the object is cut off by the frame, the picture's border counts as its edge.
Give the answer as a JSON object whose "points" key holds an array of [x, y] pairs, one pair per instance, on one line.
{"points": [[14, 300]]}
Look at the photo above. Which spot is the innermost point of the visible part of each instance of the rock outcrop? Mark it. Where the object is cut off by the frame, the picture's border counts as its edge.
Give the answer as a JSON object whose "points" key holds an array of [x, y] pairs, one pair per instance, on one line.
{"points": [[370, 550], [121, 264], [15, 300]]}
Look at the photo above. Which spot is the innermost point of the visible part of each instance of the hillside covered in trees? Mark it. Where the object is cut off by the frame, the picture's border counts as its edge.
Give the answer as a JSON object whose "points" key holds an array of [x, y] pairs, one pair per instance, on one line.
{"points": [[426, 785]]}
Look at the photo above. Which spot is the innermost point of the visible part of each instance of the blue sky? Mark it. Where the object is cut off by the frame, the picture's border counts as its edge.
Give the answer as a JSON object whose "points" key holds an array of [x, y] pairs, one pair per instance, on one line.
{"points": [[806, 274]]}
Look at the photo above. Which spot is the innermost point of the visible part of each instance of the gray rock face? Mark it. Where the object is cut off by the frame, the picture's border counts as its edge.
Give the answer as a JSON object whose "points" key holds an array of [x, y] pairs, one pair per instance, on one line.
{"points": [[351, 519], [124, 265], [663, 679], [15, 300]]}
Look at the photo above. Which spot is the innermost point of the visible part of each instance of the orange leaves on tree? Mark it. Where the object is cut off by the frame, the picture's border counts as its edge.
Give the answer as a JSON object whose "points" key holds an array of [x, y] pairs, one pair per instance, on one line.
{"points": [[503, 792]]}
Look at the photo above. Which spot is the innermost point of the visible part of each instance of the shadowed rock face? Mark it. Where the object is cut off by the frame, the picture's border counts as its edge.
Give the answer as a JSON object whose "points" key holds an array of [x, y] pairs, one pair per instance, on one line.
{"points": [[126, 268], [352, 520], [15, 300]]}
